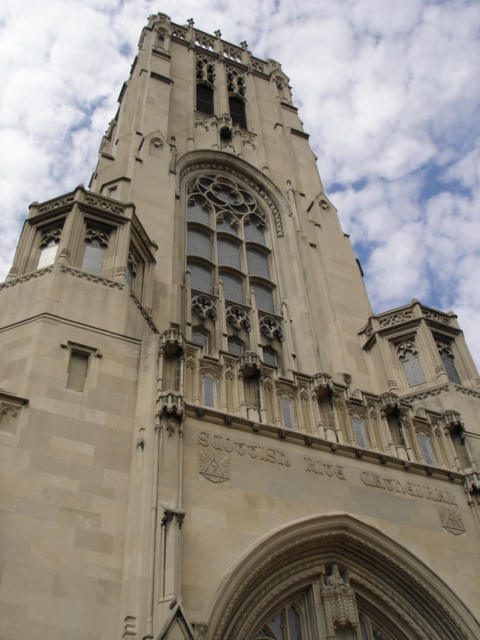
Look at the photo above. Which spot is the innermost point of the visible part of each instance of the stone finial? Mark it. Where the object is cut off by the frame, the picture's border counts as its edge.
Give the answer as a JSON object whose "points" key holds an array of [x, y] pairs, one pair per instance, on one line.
{"points": [[190, 22], [244, 45], [218, 34]]}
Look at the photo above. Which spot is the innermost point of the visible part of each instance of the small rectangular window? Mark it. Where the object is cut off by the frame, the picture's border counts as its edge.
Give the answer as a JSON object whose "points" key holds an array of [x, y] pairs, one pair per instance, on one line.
{"points": [[77, 370], [360, 433], [287, 413], [210, 392], [427, 450]]}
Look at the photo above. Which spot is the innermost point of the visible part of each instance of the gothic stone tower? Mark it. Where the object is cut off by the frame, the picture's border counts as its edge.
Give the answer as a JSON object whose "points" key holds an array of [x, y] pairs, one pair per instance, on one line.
{"points": [[205, 432]]}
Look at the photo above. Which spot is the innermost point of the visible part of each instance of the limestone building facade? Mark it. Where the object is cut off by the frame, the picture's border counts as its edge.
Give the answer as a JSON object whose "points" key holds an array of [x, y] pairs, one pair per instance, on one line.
{"points": [[205, 432]]}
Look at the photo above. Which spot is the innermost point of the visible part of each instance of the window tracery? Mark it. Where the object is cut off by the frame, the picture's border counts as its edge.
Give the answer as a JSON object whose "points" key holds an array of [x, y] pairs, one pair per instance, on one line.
{"points": [[96, 243], [219, 251], [49, 247]]}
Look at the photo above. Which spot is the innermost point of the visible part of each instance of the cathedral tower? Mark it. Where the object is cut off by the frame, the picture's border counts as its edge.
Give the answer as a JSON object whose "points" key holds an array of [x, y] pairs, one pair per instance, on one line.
{"points": [[205, 431]]}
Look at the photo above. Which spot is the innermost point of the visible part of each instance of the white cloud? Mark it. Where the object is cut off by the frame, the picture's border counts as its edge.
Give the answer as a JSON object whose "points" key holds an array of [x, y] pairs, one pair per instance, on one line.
{"points": [[388, 91]]}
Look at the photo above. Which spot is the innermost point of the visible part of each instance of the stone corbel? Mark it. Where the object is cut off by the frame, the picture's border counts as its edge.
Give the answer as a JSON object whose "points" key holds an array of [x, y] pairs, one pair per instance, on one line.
{"points": [[172, 341], [249, 363], [171, 404]]}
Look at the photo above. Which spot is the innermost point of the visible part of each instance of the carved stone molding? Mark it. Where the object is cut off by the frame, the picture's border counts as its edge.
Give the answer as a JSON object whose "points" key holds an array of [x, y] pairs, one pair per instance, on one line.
{"points": [[90, 277], [105, 204], [237, 317], [271, 328], [204, 307], [253, 184], [62, 201], [29, 276]]}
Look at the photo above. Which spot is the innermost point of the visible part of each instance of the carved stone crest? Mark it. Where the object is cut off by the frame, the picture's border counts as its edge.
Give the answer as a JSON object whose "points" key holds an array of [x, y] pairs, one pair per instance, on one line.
{"points": [[213, 466], [451, 519]]}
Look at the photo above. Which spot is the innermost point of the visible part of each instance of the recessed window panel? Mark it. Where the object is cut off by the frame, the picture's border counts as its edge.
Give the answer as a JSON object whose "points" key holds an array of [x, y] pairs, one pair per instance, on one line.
{"points": [[360, 433], [197, 213], [270, 357], [93, 257], [210, 392], [199, 337], [254, 231], [258, 263], [237, 112], [235, 346], [287, 413], [77, 370], [200, 277], [228, 253], [232, 287], [199, 244], [427, 450], [263, 297], [205, 99]]}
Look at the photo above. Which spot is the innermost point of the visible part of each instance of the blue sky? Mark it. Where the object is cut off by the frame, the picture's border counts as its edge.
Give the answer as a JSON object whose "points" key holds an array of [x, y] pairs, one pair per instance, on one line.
{"points": [[388, 91]]}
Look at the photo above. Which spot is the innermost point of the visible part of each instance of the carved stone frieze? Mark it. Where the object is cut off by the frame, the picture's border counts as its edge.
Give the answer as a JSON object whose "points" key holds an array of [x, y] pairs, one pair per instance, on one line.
{"points": [[271, 328], [57, 203], [90, 277], [237, 317], [395, 318], [27, 277], [435, 315], [105, 204]]}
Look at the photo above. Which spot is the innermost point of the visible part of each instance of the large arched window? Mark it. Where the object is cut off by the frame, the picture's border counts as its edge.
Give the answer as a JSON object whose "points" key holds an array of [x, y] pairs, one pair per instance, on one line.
{"points": [[227, 243]]}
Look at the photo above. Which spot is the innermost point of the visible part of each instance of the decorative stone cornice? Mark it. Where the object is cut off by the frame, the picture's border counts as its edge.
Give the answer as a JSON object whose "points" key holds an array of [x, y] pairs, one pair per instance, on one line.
{"points": [[28, 276]]}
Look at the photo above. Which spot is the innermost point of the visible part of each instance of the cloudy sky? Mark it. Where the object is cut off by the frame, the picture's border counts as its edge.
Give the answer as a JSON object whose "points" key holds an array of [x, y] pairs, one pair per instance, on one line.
{"points": [[388, 89]]}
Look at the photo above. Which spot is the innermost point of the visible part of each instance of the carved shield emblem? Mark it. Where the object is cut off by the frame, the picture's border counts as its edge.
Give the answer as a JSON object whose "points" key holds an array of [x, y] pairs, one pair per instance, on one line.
{"points": [[213, 466], [451, 520]]}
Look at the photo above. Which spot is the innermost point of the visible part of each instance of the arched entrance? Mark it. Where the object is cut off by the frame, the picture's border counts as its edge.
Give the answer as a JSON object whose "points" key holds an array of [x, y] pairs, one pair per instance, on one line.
{"points": [[335, 577]]}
